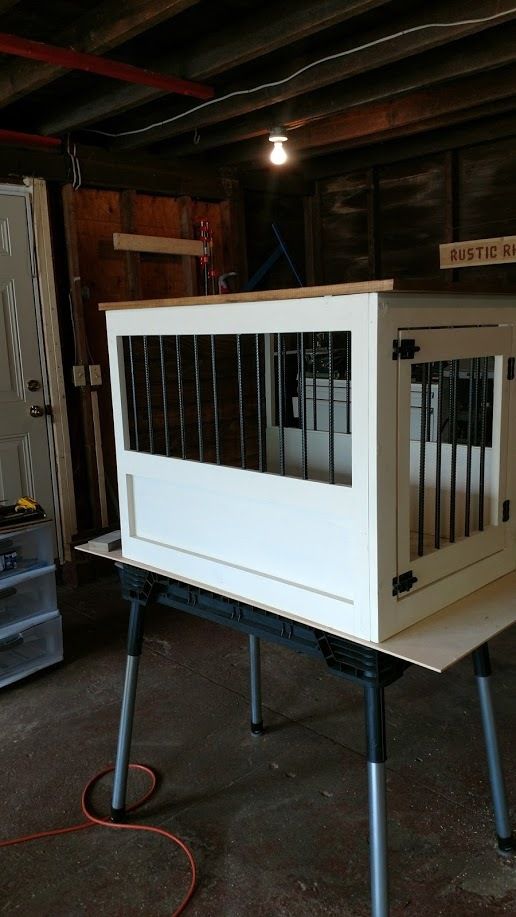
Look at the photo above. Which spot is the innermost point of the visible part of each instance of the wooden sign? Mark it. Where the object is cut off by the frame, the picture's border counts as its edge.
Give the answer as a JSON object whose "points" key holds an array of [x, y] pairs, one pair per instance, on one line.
{"points": [[478, 251]]}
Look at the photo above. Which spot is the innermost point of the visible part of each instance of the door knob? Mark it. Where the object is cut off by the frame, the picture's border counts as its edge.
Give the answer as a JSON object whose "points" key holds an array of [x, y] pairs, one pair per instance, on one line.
{"points": [[36, 410], [33, 385]]}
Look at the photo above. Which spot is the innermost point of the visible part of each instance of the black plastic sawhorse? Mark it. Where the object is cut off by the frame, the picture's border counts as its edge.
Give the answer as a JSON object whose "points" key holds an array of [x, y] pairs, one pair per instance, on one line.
{"points": [[370, 668]]}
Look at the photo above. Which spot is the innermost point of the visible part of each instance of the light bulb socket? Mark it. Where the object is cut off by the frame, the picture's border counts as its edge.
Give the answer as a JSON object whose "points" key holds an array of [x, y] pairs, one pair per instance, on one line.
{"points": [[278, 135]]}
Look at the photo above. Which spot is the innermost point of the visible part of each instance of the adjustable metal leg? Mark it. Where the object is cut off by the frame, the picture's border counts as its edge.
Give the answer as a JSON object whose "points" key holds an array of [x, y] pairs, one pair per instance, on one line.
{"points": [[134, 649], [376, 756], [482, 666], [255, 679]]}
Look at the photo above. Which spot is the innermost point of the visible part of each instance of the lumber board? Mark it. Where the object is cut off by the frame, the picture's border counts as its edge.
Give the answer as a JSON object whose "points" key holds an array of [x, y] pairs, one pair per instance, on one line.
{"points": [[498, 250], [366, 286], [132, 242]]}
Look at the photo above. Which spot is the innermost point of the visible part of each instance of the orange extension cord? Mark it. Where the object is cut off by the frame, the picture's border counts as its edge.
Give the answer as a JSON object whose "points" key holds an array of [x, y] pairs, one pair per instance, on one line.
{"points": [[92, 819]]}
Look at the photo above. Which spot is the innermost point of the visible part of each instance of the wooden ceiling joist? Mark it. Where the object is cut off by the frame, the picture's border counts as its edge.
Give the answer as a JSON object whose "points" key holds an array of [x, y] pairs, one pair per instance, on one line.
{"points": [[210, 56], [93, 33], [473, 14]]}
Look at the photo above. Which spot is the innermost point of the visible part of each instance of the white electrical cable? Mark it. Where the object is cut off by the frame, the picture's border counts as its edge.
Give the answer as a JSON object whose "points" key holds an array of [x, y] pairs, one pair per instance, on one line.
{"points": [[317, 63]]}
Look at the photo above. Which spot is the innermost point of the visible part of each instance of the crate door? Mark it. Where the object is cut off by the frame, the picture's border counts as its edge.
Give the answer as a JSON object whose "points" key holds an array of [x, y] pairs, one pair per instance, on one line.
{"points": [[452, 450]]}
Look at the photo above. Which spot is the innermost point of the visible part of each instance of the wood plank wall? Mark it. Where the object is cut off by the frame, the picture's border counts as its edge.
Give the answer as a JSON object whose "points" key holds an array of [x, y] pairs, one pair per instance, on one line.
{"points": [[108, 275], [388, 220]]}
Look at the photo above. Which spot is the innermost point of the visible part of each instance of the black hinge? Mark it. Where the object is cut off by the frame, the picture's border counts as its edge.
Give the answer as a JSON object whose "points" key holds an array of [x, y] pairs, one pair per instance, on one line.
{"points": [[510, 369], [404, 350], [506, 510], [403, 582]]}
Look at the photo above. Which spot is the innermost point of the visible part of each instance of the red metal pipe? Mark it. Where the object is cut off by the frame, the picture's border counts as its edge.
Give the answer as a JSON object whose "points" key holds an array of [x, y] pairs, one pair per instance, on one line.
{"points": [[104, 66], [18, 138]]}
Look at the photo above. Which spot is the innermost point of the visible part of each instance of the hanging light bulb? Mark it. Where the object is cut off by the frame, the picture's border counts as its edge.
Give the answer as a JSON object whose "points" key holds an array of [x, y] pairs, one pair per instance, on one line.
{"points": [[278, 136]]}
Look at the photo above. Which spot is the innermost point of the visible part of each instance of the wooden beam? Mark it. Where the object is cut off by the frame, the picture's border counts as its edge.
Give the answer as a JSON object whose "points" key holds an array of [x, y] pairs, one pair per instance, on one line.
{"points": [[93, 33], [417, 111], [132, 258], [131, 242], [381, 54], [253, 37], [476, 55]]}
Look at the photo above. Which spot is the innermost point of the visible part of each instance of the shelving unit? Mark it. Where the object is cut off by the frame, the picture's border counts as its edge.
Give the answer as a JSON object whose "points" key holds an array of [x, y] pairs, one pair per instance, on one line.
{"points": [[30, 623]]}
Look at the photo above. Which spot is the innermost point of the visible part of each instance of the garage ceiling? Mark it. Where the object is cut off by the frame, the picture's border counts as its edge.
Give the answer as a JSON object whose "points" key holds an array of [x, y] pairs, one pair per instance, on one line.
{"points": [[406, 78]]}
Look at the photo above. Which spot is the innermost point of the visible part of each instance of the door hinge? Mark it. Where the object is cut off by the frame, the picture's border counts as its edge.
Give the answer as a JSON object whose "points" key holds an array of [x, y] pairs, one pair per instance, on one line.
{"points": [[506, 510], [403, 582], [405, 349], [510, 369]]}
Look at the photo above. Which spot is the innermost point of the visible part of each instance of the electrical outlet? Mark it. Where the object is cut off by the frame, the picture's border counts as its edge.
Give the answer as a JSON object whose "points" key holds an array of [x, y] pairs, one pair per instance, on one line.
{"points": [[95, 374], [79, 375]]}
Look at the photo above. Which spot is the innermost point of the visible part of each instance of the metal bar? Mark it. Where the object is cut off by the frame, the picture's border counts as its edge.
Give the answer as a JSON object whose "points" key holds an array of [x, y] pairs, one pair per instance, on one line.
{"points": [[164, 392], [467, 505], [301, 397], [127, 711], [103, 66], [314, 381], [281, 396], [331, 413], [348, 383], [429, 403], [241, 415], [259, 403], [422, 460], [475, 402], [287, 256], [498, 792], [438, 457], [215, 398], [133, 393], [376, 756], [148, 392], [483, 418], [255, 685], [180, 395], [454, 371], [198, 396]]}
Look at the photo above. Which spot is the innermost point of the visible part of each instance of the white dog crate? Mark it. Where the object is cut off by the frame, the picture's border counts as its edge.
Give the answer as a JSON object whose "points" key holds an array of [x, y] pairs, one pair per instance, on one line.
{"points": [[342, 458]]}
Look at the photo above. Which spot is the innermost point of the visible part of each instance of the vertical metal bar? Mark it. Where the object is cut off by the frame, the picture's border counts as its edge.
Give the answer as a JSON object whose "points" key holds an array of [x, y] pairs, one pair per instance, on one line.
{"points": [[281, 396], [148, 392], [198, 396], [438, 456], [259, 402], [454, 373], [475, 402], [133, 392], [134, 648], [422, 462], [429, 403], [255, 685], [376, 757], [180, 395], [164, 392], [331, 412], [314, 380], [241, 414], [483, 419], [467, 505], [301, 397], [348, 382], [215, 398]]}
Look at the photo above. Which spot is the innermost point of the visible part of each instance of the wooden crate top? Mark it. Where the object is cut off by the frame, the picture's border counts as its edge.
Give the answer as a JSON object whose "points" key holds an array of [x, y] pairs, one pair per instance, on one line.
{"points": [[335, 289], [366, 286]]}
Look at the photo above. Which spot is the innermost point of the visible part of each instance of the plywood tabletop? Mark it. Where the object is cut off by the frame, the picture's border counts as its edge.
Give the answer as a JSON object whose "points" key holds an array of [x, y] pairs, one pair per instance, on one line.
{"points": [[435, 643], [366, 286]]}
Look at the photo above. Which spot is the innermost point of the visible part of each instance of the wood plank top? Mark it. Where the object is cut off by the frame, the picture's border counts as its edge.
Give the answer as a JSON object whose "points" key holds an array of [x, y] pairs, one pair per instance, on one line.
{"points": [[366, 286], [131, 242], [435, 643]]}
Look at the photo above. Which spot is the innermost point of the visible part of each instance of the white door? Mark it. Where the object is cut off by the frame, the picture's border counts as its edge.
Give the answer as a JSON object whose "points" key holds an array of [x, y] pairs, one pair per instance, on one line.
{"points": [[24, 446]]}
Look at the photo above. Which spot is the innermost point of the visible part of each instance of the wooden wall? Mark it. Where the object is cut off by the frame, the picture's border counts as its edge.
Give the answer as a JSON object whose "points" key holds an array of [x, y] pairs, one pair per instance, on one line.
{"points": [[108, 275], [388, 220]]}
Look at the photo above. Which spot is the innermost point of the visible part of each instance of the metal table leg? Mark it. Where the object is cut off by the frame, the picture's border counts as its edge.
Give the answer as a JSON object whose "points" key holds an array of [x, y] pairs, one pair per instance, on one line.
{"points": [[376, 756], [482, 666], [255, 678], [134, 649]]}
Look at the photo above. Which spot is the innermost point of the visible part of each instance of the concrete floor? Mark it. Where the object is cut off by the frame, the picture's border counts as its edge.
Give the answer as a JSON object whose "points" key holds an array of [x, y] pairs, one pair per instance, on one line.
{"points": [[278, 824]]}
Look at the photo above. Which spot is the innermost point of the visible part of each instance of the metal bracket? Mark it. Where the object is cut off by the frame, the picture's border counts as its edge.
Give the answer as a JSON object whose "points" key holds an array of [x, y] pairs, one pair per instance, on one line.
{"points": [[510, 369], [405, 349], [403, 582]]}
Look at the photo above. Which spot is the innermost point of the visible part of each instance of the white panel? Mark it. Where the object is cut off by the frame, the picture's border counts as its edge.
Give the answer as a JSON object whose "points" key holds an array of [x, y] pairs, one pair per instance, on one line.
{"points": [[5, 237], [15, 468], [11, 378]]}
